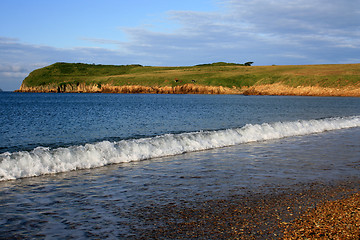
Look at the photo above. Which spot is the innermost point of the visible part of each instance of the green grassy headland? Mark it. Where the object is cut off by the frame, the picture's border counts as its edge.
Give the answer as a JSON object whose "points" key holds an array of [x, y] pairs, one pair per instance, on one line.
{"points": [[67, 77]]}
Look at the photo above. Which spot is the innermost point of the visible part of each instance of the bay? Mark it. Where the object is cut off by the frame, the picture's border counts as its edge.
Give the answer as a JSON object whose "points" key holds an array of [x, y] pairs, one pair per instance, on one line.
{"points": [[247, 144]]}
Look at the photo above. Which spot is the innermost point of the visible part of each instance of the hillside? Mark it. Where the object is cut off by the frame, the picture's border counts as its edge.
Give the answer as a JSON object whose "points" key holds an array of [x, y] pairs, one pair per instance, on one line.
{"points": [[216, 78]]}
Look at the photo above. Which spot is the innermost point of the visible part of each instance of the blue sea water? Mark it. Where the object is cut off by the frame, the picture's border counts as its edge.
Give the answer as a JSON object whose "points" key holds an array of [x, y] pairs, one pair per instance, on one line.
{"points": [[77, 165], [29, 120]]}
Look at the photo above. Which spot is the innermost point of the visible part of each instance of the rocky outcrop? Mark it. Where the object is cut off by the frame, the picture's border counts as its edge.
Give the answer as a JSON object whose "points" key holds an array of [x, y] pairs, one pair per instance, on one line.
{"points": [[107, 88], [266, 89], [61, 88]]}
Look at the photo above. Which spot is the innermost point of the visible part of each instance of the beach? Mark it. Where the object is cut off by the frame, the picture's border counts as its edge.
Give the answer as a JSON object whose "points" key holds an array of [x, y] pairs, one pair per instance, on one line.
{"points": [[314, 211]]}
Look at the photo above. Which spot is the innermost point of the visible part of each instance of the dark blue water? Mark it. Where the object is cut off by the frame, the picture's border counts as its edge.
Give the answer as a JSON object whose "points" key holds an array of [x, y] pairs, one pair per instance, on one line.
{"points": [[95, 171], [29, 120]]}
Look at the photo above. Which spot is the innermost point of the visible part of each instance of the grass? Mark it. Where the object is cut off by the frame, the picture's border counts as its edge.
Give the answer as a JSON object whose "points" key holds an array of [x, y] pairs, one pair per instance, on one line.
{"points": [[216, 74]]}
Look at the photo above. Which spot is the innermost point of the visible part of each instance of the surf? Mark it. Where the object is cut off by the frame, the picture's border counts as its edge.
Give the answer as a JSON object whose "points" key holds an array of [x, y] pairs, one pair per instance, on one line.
{"points": [[44, 160]]}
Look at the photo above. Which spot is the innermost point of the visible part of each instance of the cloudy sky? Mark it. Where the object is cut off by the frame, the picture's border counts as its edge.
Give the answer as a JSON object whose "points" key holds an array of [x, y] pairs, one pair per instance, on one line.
{"points": [[37, 33]]}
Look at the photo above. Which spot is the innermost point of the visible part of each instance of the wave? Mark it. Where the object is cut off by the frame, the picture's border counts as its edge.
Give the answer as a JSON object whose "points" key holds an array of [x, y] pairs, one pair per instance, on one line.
{"points": [[44, 160]]}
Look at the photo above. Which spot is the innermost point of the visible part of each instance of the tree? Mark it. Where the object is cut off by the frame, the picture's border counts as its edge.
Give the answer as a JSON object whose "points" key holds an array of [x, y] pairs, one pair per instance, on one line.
{"points": [[248, 63]]}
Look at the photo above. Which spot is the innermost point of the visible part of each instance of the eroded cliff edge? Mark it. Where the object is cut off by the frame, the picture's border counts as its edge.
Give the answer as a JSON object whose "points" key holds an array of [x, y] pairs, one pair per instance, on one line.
{"points": [[107, 88]]}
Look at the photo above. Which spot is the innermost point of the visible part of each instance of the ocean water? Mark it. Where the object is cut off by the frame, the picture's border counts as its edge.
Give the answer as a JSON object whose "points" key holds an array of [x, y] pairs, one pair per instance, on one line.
{"points": [[79, 165]]}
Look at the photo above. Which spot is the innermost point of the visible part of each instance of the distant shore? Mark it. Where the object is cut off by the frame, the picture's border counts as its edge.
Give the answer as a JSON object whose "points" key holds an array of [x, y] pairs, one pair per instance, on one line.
{"points": [[266, 89], [215, 78]]}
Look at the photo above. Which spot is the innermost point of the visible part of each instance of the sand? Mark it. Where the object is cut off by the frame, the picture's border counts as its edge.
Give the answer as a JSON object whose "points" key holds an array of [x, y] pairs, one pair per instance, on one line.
{"points": [[304, 211]]}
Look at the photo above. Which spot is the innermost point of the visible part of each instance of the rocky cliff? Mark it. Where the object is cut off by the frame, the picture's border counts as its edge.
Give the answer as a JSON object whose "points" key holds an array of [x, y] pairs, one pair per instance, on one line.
{"points": [[107, 88], [266, 89]]}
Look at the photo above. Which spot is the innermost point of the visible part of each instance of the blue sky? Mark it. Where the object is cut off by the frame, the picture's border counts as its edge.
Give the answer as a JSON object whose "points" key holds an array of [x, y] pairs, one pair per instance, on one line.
{"points": [[37, 33]]}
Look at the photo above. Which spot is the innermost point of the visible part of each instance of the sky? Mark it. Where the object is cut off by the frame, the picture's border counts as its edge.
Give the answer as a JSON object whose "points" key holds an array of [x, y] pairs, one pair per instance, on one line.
{"points": [[37, 33]]}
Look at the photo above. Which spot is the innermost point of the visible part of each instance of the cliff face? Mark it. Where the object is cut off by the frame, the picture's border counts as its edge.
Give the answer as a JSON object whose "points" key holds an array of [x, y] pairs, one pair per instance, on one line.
{"points": [[265, 89], [280, 89], [82, 88]]}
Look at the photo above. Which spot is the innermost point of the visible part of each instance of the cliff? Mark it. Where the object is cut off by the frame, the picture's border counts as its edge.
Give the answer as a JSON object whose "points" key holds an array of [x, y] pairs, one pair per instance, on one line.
{"points": [[83, 88], [218, 78]]}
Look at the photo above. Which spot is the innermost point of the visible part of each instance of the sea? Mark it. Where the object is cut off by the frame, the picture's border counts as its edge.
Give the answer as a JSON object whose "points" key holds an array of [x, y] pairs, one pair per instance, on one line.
{"points": [[82, 166]]}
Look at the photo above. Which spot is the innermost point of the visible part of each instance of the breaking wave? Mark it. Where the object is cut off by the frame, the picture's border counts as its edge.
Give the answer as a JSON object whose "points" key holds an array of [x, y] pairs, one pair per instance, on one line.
{"points": [[44, 160]]}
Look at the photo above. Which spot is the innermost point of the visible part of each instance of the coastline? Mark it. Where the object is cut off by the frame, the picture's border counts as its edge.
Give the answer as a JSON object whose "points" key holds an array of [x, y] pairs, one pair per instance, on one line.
{"points": [[280, 89], [277, 89], [314, 210], [216, 78]]}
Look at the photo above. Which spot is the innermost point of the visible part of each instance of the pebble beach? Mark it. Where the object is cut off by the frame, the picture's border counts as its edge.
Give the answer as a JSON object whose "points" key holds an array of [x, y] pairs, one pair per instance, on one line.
{"points": [[311, 211]]}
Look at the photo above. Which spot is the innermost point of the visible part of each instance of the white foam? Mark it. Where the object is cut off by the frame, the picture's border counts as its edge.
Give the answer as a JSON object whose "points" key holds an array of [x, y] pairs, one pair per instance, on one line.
{"points": [[42, 160]]}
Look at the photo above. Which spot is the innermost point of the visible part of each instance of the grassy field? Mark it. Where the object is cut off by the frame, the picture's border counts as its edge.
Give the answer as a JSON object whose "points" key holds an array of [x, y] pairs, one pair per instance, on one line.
{"points": [[217, 74]]}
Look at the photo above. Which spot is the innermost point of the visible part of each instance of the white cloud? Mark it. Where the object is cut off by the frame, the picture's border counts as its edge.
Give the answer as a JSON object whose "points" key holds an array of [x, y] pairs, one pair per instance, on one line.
{"points": [[320, 31], [13, 71], [333, 19]]}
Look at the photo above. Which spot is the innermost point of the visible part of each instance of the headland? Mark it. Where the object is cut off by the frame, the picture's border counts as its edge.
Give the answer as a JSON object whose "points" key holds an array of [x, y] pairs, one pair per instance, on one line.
{"points": [[215, 78]]}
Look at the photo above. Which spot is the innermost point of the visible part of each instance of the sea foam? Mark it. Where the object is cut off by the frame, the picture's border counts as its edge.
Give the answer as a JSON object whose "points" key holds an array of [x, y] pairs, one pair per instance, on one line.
{"points": [[44, 160]]}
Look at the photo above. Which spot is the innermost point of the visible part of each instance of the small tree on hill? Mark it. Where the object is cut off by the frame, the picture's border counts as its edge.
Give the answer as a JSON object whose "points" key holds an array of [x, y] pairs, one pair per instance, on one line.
{"points": [[248, 63]]}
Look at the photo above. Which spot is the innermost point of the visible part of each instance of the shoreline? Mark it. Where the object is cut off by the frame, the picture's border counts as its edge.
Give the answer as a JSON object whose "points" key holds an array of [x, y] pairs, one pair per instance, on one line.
{"points": [[276, 89], [314, 210]]}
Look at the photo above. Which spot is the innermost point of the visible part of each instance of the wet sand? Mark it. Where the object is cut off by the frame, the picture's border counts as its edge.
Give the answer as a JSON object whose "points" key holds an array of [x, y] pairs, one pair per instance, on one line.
{"points": [[314, 211]]}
